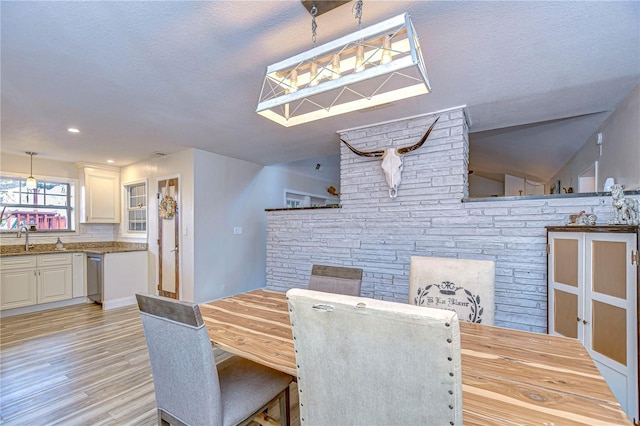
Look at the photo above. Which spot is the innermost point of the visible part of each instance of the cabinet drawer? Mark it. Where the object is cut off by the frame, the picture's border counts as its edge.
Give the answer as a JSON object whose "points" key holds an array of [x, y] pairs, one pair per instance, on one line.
{"points": [[15, 262], [54, 259]]}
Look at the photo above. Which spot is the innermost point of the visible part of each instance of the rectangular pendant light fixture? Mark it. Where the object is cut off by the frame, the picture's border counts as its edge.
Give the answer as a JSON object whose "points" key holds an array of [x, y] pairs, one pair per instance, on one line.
{"points": [[372, 66]]}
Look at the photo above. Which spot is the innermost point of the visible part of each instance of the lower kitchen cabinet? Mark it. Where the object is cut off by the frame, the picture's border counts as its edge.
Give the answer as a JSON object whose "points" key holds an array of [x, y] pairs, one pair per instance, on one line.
{"points": [[34, 279], [18, 282], [593, 297], [54, 277]]}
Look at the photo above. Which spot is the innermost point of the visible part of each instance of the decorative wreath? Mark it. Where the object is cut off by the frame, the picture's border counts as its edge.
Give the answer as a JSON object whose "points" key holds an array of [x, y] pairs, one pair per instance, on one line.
{"points": [[167, 207]]}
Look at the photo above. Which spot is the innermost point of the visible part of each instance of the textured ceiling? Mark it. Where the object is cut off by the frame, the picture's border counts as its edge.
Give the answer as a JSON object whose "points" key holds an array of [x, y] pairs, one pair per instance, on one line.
{"points": [[140, 77]]}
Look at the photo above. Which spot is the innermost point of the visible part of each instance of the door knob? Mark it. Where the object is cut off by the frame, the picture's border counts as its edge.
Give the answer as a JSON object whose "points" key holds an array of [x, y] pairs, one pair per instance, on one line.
{"points": [[174, 250]]}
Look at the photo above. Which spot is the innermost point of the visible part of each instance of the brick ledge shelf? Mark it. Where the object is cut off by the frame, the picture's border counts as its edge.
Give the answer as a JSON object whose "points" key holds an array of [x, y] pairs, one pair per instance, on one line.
{"points": [[333, 206]]}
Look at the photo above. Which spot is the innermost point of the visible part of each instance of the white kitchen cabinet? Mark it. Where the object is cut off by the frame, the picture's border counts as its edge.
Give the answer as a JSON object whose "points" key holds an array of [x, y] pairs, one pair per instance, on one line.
{"points": [[18, 281], [54, 277], [99, 195], [593, 294], [79, 278], [34, 279]]}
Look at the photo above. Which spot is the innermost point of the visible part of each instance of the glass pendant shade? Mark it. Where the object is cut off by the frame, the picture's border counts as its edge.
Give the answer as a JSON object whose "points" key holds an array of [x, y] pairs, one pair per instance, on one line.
{"points": [[32, 184], [372, 66], [334, 72], [359, 59], [387, 55], [314, 74]]}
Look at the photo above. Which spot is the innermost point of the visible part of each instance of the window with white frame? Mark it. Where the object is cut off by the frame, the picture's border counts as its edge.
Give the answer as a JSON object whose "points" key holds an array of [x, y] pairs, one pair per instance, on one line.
{"points": [[48, 207], [136, 207]]}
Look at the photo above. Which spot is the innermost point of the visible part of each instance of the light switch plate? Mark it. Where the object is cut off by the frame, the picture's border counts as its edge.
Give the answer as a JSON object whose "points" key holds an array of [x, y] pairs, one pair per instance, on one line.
{"points": [[237, 230]]}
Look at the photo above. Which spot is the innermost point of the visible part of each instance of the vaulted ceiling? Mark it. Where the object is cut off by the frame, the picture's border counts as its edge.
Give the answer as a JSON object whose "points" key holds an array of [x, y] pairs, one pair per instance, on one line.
{"points": [[142, 77]]}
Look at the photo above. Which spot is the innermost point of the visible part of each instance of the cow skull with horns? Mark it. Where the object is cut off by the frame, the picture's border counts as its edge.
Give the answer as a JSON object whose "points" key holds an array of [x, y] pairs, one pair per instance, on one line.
{"points": [[392, 160]]}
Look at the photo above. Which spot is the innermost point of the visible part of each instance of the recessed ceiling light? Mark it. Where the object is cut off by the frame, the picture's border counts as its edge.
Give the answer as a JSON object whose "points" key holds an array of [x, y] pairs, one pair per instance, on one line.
{"points": [[110, 161], [73, 130]]}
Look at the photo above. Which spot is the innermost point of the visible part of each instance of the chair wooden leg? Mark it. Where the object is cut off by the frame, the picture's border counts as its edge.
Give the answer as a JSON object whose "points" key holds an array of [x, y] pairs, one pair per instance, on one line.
{"points": [[161, 421], [264, 419], [285, 414]]}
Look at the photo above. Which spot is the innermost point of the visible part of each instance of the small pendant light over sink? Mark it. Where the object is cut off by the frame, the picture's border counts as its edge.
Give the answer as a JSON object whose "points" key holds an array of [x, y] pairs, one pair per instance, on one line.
{"points": [[31, 181]]}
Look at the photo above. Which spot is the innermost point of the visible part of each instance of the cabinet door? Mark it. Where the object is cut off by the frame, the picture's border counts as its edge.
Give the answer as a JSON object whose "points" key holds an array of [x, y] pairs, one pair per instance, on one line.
{"points": [[610, 334], [102, 196], [54, 283], [566, 275], [17, 288]]}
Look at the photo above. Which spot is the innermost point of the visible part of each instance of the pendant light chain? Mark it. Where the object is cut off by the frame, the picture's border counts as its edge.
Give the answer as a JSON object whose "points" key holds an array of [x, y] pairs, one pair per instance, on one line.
{"points": [[314, 26], [357, 13]]}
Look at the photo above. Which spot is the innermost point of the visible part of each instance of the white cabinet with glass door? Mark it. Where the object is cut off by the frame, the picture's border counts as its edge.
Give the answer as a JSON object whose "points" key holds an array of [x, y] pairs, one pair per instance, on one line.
{"points": [[593, 291]]}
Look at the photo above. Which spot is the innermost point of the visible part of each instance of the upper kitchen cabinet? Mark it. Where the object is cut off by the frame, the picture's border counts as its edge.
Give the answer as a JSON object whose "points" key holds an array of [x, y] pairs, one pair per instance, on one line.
{"points": [[99, 195]]}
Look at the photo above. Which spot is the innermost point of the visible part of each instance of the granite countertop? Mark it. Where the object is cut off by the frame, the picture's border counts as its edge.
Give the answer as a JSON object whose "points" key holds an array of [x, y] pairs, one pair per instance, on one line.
{"points": [[88, 247]]}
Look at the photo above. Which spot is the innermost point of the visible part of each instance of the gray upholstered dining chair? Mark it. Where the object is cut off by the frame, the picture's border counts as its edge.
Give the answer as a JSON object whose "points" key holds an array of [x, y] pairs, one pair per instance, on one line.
{"points": [[336, 279], [190, 389], [363, 361], [463, 285]]}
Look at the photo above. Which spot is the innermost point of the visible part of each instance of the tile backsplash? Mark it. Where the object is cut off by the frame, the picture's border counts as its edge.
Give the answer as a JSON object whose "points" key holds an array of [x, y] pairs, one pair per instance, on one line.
{"points": [[86, 233]]}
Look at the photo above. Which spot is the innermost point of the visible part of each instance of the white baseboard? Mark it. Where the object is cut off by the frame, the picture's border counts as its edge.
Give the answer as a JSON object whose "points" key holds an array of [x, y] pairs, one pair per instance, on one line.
{"points": [[42, 307], [118, 303]]}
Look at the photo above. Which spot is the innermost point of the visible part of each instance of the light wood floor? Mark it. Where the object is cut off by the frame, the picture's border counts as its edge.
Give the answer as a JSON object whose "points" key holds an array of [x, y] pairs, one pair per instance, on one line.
{"points": [[79, 365]]}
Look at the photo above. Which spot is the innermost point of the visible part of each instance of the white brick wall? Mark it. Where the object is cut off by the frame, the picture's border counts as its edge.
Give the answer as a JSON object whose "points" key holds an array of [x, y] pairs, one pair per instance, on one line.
{"points": [[379, 234]]}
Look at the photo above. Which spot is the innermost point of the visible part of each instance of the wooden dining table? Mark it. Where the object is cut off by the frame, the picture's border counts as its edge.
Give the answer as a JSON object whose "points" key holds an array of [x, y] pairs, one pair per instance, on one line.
{"points": [[509, 377]]}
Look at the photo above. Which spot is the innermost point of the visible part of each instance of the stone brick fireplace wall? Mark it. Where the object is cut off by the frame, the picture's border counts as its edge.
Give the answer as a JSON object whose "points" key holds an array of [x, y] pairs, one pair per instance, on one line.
{"points": [[428, 218]]}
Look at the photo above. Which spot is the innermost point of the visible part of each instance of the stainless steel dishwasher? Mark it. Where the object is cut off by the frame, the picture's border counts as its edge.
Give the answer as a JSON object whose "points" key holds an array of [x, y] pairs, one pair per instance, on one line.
{"points": [[94, 277]]}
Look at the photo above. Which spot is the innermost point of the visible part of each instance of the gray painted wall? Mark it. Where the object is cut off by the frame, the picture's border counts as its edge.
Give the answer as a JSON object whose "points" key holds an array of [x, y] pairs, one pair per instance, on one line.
{"points": [[620, 157], [217, 193]]}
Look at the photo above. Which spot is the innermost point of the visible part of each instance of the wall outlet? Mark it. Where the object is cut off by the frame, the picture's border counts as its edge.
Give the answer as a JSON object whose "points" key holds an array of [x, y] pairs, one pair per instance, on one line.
{"points": [[237, 230]]}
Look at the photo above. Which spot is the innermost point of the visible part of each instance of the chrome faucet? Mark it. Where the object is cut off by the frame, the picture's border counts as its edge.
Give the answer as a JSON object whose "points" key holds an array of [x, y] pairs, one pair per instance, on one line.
{"points": [[26, 236]]}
